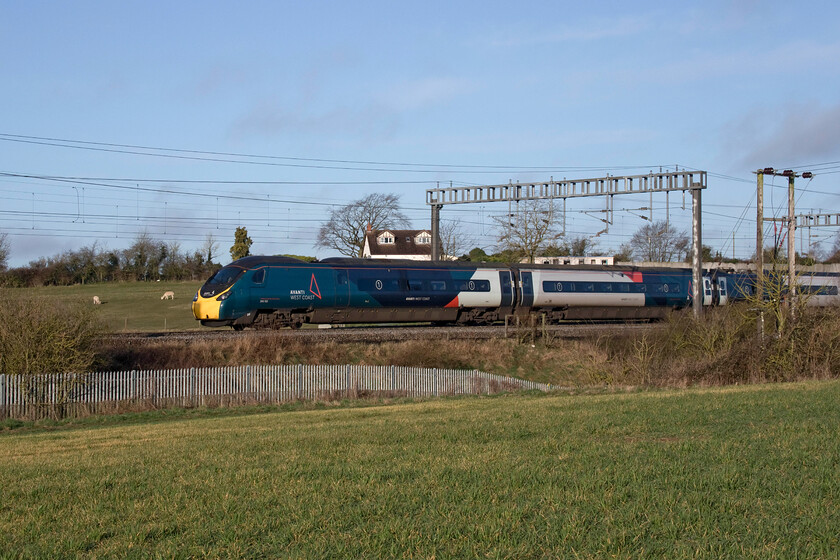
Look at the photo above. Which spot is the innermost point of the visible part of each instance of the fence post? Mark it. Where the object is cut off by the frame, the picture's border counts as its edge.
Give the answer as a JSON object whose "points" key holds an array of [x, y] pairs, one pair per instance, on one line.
{"points": [[135, 389], [193, 399], [3, 406], [393, 378], [248, 382], [347, 381], [300, 381]]}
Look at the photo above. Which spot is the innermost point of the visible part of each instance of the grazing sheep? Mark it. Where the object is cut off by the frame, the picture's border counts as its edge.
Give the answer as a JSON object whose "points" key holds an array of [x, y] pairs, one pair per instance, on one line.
{"points": [[96, 300], [168, 295]]}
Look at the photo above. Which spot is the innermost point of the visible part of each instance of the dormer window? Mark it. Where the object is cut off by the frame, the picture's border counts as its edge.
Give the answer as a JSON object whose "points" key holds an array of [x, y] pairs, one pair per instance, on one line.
{"points": [[386, 238], [424, 239]]}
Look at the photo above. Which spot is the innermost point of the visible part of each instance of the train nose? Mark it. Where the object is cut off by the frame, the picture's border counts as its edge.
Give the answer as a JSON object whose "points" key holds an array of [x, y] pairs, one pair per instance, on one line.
{"points": [[206, 308]]}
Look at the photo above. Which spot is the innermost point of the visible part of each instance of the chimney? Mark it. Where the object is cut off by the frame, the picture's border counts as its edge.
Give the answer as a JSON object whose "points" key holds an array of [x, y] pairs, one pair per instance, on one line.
{"points": [[368, 227]]}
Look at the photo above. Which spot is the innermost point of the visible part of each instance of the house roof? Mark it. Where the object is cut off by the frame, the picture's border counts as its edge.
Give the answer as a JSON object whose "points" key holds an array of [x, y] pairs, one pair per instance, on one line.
{"points": [[404, 242]]}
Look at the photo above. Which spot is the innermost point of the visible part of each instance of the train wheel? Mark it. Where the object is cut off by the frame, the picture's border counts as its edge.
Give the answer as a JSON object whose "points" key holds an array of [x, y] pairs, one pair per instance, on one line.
{"points": [[238, 327]]}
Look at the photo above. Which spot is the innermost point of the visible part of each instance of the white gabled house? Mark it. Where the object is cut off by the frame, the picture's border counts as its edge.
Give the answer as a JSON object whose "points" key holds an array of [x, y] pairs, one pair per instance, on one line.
{"points": [[411, 244]]}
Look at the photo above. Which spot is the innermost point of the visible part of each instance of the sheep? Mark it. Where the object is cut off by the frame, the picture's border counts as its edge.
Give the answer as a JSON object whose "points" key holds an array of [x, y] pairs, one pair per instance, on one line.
{"points": [[96, 300], [168, 295]]}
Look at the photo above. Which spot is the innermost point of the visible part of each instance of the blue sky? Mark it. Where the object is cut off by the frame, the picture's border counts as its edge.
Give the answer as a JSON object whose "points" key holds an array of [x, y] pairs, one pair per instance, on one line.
{"points": [[325, 102]]}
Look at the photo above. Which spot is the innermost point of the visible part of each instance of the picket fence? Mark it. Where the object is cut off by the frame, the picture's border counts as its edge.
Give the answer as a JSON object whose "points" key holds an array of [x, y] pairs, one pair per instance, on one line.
{"points": [[71, 395]]}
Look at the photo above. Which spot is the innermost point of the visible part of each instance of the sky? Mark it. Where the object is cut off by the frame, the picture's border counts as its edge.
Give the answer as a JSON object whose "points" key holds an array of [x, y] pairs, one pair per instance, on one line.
{"points": [[185, 119]]}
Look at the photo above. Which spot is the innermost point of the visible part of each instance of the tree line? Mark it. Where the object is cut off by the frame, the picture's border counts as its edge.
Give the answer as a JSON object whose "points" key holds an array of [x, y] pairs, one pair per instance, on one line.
{"points": [[145, 260]]}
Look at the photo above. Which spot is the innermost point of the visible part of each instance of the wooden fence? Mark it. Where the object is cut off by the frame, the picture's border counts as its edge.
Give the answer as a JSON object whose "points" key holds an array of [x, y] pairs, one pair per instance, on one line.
{"points": [[70, 395]]}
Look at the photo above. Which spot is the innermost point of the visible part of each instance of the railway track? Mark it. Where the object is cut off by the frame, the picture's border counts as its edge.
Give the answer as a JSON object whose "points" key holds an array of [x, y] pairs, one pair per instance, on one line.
{"points": [[392, 333]]}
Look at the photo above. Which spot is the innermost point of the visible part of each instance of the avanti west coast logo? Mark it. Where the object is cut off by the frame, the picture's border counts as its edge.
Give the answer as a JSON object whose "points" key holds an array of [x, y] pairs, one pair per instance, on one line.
{"points": [[303, 295]]}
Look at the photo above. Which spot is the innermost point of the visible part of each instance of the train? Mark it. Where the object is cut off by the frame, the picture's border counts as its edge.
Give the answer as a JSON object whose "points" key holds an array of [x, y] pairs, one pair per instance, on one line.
{"points": [[276, 292]]}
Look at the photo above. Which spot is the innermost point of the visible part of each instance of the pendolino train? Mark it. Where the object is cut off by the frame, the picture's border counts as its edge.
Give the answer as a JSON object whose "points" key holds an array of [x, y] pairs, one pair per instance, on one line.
{"points": [[274, 292]]}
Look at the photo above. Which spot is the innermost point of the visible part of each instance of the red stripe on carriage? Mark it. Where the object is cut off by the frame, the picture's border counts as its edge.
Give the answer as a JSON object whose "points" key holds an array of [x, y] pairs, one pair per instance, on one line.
{"points": [[634, 276], [453, 303]]}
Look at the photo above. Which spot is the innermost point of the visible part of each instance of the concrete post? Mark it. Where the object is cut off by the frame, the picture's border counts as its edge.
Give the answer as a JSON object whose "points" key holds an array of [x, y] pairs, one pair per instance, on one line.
{"points": [[436, 232], [696, 253]]}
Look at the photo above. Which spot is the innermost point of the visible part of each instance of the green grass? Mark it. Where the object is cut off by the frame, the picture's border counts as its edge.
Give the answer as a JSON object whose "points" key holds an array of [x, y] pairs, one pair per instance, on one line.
{"points": [[133, 306], [747, 472]]}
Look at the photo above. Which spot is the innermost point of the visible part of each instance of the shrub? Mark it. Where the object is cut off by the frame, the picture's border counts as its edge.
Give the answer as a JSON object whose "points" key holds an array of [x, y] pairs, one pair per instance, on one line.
{"points": [[39, 336]]}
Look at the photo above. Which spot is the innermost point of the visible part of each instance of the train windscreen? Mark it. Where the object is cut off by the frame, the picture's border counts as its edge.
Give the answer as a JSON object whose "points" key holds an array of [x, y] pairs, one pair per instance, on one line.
{"points": [[220, 281]]}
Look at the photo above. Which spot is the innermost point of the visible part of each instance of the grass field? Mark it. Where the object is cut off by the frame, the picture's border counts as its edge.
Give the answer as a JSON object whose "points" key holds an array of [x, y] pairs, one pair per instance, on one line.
{"points": [[746, 472], [133, 306]]}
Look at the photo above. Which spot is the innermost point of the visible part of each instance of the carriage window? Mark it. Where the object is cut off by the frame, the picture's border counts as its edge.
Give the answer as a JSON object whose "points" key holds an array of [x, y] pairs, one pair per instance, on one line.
{"points": [[437, 285], [259, 276], [474, 286], [379, 285]]}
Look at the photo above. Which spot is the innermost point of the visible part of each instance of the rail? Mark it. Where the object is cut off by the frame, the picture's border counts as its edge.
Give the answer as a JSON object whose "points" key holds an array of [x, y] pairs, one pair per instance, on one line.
{"points": [[70, 395]]}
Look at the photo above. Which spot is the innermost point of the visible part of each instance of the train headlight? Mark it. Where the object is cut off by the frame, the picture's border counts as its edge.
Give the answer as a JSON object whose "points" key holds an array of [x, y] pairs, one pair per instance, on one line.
{"points": [[195, 297], [224, 296]]}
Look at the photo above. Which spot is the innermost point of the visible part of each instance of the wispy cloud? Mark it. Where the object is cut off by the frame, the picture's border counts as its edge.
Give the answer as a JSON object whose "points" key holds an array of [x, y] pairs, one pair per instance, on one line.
{"points": [[425, 92], [795, 134], [593, 31], [267, 119]]}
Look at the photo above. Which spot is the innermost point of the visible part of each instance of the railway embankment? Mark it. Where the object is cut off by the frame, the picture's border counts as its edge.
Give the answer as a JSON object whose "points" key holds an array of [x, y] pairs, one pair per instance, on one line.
{"points": [[722, 347]]}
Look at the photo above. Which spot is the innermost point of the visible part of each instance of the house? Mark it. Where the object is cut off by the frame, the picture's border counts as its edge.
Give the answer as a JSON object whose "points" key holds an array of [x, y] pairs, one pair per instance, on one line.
{"points": [[412, 244]]}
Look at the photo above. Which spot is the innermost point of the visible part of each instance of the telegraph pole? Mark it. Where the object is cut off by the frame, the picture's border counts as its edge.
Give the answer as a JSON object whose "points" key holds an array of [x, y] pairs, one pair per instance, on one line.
{"points": [[791, 232], [759, 248], [791, 247], [696, 254]]}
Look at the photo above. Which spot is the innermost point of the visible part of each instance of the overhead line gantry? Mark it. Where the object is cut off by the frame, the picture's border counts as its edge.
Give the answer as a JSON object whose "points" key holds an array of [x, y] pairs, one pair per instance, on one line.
{"points": [[609, 186]]}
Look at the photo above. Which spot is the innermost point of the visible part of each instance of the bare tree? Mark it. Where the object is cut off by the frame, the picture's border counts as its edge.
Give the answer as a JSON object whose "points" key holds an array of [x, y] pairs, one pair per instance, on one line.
{"points": [[834, 252], [345, 230], [659, 242], [452, 239], [528, 230], [5, 249], [209, 247]]}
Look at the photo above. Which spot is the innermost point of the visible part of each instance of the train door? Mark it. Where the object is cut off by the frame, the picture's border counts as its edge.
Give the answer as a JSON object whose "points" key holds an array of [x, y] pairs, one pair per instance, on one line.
{"points": [[342, 288], [707, 290], [257, 294], [507, 288], [722, 296], [526, 287]]}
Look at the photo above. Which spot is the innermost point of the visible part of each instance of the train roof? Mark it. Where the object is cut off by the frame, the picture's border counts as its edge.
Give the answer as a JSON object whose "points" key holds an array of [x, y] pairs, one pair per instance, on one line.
{"points": [[256, 261]]}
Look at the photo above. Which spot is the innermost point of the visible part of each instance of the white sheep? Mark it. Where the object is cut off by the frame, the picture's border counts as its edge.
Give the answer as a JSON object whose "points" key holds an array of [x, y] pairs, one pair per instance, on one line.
{"points": [[96, 300], [168, 295]]}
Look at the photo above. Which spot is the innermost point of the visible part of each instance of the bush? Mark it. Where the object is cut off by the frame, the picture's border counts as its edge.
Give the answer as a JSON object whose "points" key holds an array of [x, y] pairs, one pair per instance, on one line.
{"points": [[723, 347], [38, 336]]}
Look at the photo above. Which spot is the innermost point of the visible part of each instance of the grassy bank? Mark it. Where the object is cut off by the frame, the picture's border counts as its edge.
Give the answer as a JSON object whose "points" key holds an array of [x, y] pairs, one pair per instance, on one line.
{"points": [[740, 472], [130, 306], [719, 349]]}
